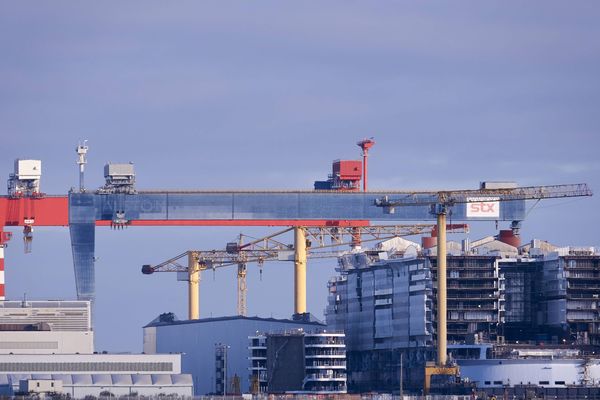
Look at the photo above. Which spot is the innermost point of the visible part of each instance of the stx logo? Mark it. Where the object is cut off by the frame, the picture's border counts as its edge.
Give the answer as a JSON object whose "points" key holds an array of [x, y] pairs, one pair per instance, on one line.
{"points": [[484, 208]]}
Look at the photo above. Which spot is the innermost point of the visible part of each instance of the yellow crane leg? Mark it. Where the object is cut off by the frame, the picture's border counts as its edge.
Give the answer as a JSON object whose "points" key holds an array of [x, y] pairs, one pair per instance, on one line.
{"points": [[431, 370], [299, 270], [441, 291], [193, 286]]}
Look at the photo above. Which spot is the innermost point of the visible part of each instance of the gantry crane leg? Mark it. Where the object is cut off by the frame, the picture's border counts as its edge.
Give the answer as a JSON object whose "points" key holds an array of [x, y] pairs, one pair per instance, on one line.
{"points": [[299, 270], [193, 286]]}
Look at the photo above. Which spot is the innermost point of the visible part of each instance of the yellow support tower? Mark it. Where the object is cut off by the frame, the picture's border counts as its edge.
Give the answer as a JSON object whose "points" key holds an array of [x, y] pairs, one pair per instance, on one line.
{"points": [[193, 286], [442, 352], [441, 367], [299, 270]]}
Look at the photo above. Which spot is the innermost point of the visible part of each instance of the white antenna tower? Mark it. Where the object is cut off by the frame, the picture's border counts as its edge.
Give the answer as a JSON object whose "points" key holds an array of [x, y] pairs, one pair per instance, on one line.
{"points": [[81, 150]]}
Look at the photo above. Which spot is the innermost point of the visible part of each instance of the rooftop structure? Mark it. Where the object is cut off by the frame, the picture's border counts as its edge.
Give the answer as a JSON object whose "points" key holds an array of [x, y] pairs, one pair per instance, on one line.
{"points": [[45, 327], [25, 180], [61, 315]]}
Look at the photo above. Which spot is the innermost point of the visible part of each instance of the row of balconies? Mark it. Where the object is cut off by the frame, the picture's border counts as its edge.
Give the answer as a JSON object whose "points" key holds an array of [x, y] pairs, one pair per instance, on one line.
{"points": [[326, 366], [336, 376]]}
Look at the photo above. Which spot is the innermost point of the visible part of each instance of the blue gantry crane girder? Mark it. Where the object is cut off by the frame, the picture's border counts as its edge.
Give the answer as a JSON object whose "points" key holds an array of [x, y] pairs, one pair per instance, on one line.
{"points": [[240, 208]]}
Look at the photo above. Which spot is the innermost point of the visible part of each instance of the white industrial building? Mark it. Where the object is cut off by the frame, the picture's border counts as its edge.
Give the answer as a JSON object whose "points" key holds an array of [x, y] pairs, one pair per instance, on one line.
{"points": [[48, 346], [196, 340], [46, 327], [81, 375]]}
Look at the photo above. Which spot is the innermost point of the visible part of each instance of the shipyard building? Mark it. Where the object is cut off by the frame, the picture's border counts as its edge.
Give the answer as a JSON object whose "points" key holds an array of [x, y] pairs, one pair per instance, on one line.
{"points": [[513, 298], [215, 350]]}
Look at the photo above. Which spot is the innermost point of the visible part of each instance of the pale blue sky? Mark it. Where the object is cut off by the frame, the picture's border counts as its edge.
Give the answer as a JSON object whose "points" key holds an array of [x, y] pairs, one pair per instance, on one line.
{"points": [[265, 95]]}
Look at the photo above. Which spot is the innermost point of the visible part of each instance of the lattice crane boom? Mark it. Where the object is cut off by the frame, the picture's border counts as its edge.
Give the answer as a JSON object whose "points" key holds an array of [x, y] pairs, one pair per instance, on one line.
{"points": [[260, 250], [449, 197]]}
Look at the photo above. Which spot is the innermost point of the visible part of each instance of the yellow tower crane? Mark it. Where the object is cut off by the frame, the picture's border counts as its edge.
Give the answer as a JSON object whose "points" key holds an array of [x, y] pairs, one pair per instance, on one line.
{"points": [[441, 203], [307, 240]]}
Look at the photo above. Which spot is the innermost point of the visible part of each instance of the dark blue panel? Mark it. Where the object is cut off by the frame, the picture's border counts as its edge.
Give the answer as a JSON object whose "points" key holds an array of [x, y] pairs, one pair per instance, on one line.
{"points": [[207, 206], [265, 206]]}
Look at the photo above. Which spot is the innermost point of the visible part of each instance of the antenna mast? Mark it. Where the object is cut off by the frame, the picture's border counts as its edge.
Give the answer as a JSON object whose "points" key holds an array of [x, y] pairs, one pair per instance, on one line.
{"points": [[81, 150]]}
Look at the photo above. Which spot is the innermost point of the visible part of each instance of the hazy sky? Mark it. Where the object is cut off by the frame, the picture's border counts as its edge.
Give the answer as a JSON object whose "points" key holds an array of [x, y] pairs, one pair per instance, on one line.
{"points": [[265, 95]]}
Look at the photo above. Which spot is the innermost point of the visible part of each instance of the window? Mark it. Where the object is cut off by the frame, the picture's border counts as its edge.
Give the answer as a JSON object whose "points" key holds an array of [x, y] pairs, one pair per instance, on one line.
{"points": [[497, 382], [544, 383], [486, 382], [559, 382]]}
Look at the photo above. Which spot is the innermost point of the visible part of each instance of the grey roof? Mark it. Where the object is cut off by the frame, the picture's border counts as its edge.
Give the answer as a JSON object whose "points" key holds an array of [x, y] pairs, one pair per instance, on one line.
{"points": [[234, 318]]}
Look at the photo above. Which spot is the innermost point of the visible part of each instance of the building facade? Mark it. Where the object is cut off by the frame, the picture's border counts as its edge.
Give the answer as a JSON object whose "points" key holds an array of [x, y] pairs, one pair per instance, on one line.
{"points": [[386, 303], [298, 361]]}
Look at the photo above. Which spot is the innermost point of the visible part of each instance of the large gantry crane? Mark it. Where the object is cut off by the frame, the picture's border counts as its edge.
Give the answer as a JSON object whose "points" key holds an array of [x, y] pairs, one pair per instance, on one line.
{"points": [[309, 241], [119, 204]]}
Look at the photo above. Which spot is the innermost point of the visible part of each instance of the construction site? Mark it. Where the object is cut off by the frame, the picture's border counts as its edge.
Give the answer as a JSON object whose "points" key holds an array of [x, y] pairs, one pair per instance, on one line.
{"points": [[409, 312]]}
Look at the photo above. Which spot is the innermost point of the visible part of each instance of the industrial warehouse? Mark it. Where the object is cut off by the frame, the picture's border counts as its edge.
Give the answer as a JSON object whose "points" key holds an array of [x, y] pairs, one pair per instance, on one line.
{"points": [[490, 316]]}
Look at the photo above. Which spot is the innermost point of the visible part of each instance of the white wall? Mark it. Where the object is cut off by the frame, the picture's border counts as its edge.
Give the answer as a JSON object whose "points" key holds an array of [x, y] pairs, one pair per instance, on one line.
{"points": [[46, 342], [515, 372]]}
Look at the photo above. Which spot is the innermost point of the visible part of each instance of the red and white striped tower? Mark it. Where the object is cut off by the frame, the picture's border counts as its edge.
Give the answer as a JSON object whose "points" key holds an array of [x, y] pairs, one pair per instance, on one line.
{"points": [[4, 237], [2, 271]]}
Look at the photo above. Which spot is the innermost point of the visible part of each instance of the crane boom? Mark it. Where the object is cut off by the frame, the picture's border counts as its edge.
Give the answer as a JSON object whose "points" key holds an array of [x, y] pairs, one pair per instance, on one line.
{"points": [[449, 197], [268, 248]]}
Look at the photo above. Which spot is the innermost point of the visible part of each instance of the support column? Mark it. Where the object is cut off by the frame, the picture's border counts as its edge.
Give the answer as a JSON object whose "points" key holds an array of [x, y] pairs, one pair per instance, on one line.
{"points": [[441, 290], [299, 270], [193, 286]]}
